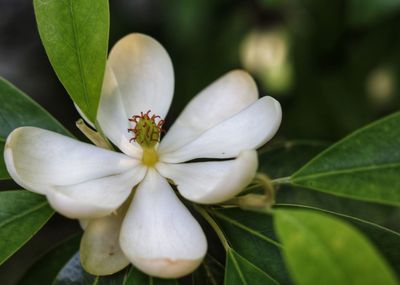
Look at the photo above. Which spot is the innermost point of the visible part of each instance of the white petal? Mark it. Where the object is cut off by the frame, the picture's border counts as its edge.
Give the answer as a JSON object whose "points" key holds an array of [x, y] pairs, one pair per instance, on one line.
{"points": [[113, 117], [225, 97], [159, 235], [212, 182], [95, 198], [37, 158], [80, 180], [144, 72], [249, 129], [100, 251]]}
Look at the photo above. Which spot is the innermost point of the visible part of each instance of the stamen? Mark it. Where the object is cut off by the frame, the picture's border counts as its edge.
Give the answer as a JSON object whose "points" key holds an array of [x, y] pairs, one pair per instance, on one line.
{"points": [[146, 130]]}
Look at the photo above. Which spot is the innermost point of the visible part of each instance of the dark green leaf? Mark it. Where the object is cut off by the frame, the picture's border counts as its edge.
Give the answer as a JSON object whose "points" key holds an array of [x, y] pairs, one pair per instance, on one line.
{"points": [[365, 165], [210, 272], [75, 36], [252, 236], [46, 268], [240, 271], [18, 109], [320, 249], [363, 12], [285, 158], [3, 169], [372, 212], [22, 214]]}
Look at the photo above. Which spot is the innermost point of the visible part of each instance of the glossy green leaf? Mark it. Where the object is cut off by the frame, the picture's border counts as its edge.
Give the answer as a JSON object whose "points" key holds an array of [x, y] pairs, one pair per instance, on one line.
{"points": [[365, 165], [364, 12], [73, 273], [252, 236], [283, 159], [75, 36], [47, 267], [320, 249], [16, 110], [240, 271], [372, 212], [22, 214]]}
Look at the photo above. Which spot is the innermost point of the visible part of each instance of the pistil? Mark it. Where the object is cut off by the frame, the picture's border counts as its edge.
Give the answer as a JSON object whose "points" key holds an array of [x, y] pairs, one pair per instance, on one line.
{"points": [[147, 131]]}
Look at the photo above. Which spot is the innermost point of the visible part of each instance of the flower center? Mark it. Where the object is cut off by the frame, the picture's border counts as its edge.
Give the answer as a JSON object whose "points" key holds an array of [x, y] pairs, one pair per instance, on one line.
{"points": [[147, 132]]}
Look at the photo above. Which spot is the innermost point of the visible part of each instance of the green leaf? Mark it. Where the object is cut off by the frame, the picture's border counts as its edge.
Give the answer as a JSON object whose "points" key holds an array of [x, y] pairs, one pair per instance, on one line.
{"points": [[210, 272], [363, 12], [386, 240], [47, 267], [16, 110], [75, 36], [22, 214], [3, 169], [240, 271], [320, 249], [365, 165], [252, 236], [283, 159], [73, 273]]}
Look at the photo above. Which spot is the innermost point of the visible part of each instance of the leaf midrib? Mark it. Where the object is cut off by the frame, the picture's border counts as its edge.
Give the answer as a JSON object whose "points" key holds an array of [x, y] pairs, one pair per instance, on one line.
{"points": [[236, 265], [298, 177], [78, 54], [24, 213]]}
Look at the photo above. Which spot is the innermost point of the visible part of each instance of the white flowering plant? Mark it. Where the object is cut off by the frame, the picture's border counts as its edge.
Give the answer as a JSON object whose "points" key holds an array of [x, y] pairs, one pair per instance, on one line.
{"points": [[203, 199]]}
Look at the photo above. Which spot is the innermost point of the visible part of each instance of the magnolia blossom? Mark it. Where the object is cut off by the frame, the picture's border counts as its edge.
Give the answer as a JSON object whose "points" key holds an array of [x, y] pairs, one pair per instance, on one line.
{"points": [[129, 211]]}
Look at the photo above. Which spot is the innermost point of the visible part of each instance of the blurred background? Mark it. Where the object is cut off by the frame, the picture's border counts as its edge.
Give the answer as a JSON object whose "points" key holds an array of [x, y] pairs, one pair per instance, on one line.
{"points": [[333, 64]]}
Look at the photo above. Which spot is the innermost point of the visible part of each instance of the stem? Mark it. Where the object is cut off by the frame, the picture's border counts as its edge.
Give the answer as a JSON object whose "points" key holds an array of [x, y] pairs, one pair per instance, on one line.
{"points": [[266, 183], [102, 135], [282, 180], [95, 137], [214, 225], [256, 202]]}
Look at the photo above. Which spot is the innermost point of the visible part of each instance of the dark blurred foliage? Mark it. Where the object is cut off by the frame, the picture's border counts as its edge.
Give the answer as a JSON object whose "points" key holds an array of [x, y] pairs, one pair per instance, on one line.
{"points": [[341, 62]]}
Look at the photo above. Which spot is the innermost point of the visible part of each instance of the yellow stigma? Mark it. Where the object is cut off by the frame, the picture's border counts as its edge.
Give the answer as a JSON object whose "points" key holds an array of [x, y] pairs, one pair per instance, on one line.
{"points": [[149, 157], [147, 134]]}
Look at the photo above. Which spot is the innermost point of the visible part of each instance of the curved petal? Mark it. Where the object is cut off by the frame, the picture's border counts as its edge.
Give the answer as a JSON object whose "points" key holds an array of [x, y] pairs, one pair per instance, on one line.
{"points": [[100, 251], [249, 129], [159, 235], [222, 99], [113, 118], [212, 182], [95, 198], [139, 77], [80, 180]]}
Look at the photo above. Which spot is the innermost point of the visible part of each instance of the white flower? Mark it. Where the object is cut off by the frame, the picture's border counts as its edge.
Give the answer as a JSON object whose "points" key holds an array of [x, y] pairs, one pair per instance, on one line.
{"points": [[148, 226]]}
